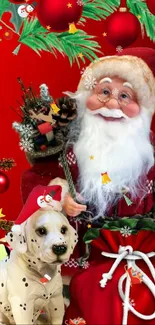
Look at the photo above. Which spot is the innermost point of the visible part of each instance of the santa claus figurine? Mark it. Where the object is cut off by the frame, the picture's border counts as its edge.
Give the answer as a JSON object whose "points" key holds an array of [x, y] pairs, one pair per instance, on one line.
{"points": [[109, 167]]}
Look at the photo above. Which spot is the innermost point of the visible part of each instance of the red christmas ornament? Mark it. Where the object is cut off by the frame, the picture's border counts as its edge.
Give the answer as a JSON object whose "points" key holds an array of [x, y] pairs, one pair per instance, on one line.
{"points": [[17, 2], [4, 183], [151, 6], [56, 15], [122, 28]]}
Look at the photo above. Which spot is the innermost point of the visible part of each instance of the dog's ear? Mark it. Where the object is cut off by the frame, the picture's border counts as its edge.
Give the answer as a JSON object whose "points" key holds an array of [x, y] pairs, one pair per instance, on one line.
{"points": [[16, 238], [73, 238]]}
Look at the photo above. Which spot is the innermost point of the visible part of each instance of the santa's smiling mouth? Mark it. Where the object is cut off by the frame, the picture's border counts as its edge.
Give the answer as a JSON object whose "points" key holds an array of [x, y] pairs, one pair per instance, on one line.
{"points": [[111, 119]]}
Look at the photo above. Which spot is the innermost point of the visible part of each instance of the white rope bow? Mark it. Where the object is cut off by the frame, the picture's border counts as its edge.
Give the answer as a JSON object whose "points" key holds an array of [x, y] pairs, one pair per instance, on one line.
{"points": [[126, 252]]}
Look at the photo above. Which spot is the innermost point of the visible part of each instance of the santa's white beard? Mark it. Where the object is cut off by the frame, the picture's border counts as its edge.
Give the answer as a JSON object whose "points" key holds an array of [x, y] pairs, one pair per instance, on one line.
{"points": [[122, 149]]}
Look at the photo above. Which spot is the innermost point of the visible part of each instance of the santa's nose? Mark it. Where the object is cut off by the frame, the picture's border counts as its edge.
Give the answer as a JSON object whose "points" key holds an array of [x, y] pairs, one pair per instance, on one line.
{"points": [[113, 103]]}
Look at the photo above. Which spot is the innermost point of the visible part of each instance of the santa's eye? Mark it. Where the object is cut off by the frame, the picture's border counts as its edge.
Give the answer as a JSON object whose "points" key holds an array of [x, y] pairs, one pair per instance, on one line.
{"points": [[63, 230], [42, 231], [105, 92], [124, 96]]}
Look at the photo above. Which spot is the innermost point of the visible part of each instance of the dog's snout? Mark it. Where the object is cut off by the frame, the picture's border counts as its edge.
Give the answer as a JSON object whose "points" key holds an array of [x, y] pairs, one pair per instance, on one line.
{"points": [[59, 249]]}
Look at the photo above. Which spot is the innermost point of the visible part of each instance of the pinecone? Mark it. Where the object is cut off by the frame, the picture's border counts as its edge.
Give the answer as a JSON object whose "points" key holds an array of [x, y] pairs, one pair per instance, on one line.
{"points": [[68, 111], [6, 225]]}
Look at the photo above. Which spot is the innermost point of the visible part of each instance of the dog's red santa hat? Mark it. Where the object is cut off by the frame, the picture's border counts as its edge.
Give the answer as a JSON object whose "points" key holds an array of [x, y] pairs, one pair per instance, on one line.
{"points": [[41, 197]]}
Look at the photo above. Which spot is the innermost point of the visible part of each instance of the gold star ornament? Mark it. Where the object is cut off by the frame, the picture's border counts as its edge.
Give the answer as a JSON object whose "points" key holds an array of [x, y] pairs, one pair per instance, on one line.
{"points": [[69, 5], [80, 55]]}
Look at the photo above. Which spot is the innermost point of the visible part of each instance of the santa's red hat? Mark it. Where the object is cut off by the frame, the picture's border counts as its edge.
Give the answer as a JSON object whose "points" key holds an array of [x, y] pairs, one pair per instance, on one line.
{"points": [[134, 66], [40, 197], [145, 53]]}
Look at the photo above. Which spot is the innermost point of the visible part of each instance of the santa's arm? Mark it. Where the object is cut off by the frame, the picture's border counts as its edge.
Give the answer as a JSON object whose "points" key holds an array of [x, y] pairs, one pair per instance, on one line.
{"points": [[70, 207]]}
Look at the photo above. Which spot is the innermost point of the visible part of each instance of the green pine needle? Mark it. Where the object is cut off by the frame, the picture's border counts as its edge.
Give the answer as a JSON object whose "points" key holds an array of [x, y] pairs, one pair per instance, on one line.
{"points": [[147, 20], [39, 39], [99, 9]]}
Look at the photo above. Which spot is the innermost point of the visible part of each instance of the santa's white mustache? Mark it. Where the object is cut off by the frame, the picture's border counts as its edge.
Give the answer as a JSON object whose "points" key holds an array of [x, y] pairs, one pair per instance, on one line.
{"points": [[106, 112]]}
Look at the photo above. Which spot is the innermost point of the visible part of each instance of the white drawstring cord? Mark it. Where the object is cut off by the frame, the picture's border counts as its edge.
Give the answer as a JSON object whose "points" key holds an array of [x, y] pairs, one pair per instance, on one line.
{"points": [[126, 252]]}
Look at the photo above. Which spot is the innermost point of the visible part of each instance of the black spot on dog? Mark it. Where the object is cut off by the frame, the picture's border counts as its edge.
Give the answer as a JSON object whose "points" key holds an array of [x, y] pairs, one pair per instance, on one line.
{"points": [[2, 284], [11, 235]]}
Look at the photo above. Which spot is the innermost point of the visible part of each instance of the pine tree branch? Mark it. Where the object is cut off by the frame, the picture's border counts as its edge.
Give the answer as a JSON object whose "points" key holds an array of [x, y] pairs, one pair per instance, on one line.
{"points": [[98, 9], [139, 8], [7, 164], [38, 38]]}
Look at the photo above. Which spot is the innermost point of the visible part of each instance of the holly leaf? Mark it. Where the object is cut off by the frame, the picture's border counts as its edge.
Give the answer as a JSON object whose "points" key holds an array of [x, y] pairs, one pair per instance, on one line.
{"points": [[91, 234], [15, 19], [3, 6]]}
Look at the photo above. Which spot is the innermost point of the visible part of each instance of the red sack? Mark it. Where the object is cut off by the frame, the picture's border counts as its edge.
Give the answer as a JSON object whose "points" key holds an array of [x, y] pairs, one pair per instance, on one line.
{"points": [[107, 305]]}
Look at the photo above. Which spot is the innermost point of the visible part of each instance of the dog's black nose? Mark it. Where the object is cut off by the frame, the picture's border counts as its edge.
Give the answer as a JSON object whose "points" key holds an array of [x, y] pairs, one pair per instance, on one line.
{"points": [[59, 249]]}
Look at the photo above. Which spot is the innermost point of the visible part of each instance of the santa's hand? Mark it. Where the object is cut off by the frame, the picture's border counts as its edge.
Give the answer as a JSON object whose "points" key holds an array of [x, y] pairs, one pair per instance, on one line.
{"points": [[72, 208]]}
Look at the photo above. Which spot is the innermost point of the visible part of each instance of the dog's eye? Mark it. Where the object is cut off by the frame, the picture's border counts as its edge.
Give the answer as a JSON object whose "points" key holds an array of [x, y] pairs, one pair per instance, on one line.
{"points": [[41, 231], [63, 230]]}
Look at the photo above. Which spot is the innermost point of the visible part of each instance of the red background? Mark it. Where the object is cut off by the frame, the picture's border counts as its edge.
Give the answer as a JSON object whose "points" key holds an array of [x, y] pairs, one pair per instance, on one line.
{"points": [[56, 73]]}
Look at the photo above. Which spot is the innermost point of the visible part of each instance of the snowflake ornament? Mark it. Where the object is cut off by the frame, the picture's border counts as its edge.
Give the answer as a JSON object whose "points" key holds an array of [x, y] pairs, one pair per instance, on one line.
{"points": [[89, 80], [126, 231], [115, 92], [26, 130], [119, 49], [80, 3], [85, 265], [26, 145]]}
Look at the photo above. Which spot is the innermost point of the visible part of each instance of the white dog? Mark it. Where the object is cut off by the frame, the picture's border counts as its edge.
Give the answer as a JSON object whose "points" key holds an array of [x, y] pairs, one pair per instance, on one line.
{"points": [[39, 246]]}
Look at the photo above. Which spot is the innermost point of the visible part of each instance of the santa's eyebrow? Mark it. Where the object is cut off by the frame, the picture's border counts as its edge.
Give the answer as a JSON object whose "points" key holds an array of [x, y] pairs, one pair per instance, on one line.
{"points": [[128, 84], [105, 80]]}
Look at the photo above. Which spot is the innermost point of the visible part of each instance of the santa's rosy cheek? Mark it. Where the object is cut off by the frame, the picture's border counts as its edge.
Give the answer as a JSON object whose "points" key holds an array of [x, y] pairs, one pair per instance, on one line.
{"points": [[131, 110], [92, 103]]}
